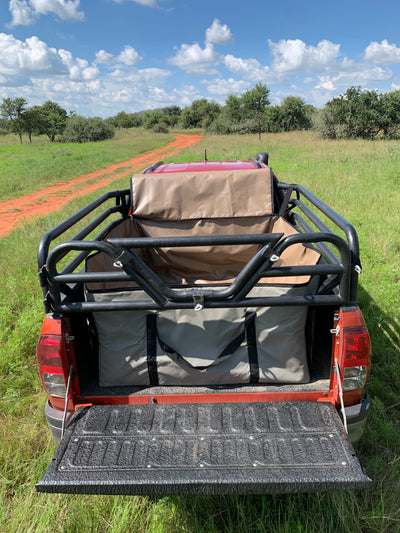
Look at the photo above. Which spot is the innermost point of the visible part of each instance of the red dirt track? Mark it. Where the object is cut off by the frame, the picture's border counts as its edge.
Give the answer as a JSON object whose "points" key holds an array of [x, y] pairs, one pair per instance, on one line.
{"points": [[14, 212]]}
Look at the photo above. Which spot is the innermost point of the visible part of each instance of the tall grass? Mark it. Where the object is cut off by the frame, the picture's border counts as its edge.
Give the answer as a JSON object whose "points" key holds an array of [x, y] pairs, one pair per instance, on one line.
{"points": [[361, 181]]}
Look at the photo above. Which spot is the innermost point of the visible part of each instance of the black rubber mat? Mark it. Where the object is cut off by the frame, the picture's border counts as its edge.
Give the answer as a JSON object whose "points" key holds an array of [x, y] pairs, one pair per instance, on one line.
{"points": [[234, 448]]}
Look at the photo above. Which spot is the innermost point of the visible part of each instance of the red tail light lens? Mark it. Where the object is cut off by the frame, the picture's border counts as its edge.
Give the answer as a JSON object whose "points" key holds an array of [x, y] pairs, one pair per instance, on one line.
{"points": [[356, 357], [51, 371]]}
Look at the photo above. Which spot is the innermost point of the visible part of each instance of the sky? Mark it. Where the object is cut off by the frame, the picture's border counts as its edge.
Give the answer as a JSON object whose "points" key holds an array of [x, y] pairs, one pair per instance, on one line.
{"points": [[100, 57]]}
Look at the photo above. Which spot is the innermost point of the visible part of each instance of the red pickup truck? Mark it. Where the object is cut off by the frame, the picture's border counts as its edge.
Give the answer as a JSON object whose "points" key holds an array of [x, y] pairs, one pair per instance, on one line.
{"points": [[202, 336]]}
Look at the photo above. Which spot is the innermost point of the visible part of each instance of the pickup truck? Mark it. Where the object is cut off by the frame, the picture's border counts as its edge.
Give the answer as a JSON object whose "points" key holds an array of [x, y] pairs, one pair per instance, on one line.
{"points": [[203, 336]]}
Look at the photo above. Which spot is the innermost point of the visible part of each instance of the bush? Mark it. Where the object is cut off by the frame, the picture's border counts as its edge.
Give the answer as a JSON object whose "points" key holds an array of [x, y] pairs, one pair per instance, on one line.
{"points": [[81, 130], [359, 114]]}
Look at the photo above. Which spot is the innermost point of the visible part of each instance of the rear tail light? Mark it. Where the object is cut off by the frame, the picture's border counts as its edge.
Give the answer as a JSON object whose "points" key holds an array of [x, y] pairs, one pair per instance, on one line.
{"points": [[49, 353], [356, 358]]}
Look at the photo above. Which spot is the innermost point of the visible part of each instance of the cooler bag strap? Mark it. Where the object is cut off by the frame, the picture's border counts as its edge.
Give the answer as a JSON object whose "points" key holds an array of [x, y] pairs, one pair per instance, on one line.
{"points": [[248, 333]]}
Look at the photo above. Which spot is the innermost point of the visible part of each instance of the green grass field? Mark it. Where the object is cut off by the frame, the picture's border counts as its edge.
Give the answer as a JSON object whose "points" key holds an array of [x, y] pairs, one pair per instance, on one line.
{"points": [[25, 168], [361, 180]]}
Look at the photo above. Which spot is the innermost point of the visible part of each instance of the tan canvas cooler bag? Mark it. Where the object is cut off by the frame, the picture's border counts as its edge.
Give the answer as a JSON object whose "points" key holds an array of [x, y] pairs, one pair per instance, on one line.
{"points": [[211, 346]]}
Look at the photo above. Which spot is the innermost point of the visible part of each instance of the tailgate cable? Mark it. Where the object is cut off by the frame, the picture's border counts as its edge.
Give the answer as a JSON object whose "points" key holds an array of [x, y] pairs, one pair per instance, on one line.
{"points": [[66, 401], [336, 369]]}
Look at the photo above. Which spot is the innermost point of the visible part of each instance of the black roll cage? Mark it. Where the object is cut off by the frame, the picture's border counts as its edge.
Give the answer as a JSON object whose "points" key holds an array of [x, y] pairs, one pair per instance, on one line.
{"points": [[339, 260]]}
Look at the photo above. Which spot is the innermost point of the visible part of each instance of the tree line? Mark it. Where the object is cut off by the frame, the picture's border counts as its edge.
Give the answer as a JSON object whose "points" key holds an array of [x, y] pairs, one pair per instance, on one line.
{"points": [[249, 113], [52, 120], [355, 114]]}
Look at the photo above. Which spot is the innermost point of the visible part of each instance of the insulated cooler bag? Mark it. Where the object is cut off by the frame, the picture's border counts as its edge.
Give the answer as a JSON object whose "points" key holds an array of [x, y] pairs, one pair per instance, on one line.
{"points": [[211, 346]]}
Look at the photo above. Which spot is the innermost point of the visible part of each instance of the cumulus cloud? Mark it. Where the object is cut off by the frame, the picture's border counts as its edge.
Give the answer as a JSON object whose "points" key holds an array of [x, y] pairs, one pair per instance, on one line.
{"points": [[222, 87], [22, 60], [129, 56], [250, 69], [25, 12], [290, 56], [218, 33], [104, 58], [21, 12], [383, 53], [193, 59], [326, 84]]}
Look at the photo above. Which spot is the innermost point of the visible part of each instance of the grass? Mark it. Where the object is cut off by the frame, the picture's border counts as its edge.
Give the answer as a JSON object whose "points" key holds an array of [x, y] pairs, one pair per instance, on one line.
{"points": [[25, 168], [361, 180]]}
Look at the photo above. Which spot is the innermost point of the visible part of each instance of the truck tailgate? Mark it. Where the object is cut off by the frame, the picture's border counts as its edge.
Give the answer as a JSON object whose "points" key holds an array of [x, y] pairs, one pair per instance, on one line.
{"points": [[212, 448]]}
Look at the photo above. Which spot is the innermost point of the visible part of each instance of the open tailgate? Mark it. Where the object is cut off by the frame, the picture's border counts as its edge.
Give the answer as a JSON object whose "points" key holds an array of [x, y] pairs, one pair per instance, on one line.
{"points": [[212, 448]]}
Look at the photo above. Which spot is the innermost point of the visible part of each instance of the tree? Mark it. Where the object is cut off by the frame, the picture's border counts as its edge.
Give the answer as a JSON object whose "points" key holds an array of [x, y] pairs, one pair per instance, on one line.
{"points": [[254, 103], [32, 121], [293, 114], [273, 119], [233, 109], [391, 114], [200, 114], [122, 120], [12, 109], [355, 114], [53, 119]]}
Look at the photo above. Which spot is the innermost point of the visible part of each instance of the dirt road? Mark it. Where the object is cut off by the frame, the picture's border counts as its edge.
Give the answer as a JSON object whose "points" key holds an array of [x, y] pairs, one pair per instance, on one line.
{"points": [[14, 212]]}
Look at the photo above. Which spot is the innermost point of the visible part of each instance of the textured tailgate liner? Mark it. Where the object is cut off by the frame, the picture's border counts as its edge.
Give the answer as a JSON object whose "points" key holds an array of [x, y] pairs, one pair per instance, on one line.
{"points": [[231, 448]]}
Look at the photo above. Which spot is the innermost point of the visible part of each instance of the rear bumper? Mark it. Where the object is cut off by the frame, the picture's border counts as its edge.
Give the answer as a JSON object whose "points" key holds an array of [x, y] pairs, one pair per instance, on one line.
{"points": [[54, 419], [356, 416]]}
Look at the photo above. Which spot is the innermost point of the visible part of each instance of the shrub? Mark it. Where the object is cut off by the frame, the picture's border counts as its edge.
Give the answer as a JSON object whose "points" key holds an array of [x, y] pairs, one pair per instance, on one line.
{"points": [[80, 130]]}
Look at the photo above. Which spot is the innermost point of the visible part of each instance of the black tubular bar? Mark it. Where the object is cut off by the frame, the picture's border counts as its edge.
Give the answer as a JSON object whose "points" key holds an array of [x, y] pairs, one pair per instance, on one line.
{"points": [[82, 256], [45, 241], [87, 230], [275, 272], [164, 296], [212, 240], [79, 307], [342, 223], [61, 249], [321, 246], [139, 272]]}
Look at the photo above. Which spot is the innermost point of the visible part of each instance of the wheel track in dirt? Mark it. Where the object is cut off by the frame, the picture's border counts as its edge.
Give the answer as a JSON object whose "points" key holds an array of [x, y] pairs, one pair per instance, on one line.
{"points": [[40, 203]]}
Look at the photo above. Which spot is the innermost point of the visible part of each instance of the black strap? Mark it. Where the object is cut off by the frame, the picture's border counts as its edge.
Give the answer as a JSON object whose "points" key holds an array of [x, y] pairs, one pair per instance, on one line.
{"points": [[152, 348], [252, 350], [248, 333]]}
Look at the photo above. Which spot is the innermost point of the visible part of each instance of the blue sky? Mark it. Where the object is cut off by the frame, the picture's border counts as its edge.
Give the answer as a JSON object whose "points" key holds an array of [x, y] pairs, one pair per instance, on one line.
{"points": [[99, 57]]}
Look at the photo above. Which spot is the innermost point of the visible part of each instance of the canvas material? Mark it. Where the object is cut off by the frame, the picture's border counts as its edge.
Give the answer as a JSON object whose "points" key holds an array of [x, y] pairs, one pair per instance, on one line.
{"points": [[200, 337], [194, 195], [209, 264]]}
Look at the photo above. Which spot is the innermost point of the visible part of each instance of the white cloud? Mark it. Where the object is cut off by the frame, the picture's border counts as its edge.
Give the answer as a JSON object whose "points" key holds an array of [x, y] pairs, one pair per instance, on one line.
{"points": [[249, 69], [25, 12], [218, 33], [65, 9], [129, 56], [383, 53], [22, 60], [21, 12], [292, 56], [193, 59], [79, 69], [222, 87], [327, 85], [104, 58]]}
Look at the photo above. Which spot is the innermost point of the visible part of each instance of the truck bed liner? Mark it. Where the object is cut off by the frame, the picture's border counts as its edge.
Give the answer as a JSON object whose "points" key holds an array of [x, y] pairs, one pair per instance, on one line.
{"points": [[231, 448]]}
